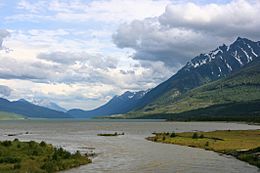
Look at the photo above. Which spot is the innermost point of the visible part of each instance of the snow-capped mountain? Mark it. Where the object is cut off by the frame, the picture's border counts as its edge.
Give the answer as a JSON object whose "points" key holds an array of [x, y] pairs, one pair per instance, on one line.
{"points": [[117, 105], [226, 59], [202, 69], [48, 104], [206, 67]]}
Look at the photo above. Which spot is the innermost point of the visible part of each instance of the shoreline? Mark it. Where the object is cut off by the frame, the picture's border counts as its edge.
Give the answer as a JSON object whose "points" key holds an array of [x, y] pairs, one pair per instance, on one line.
{"points": [[214, 141]]}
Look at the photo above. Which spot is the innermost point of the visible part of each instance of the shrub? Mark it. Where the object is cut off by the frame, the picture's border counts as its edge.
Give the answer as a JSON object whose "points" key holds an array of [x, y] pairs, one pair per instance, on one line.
{"points": [[6, 143], [173, 135], [17, 166], [195, 136], [163, 138], [207, 144], [32, 144], [201, 136], [9, 159], [49, 167], [43, 144]]}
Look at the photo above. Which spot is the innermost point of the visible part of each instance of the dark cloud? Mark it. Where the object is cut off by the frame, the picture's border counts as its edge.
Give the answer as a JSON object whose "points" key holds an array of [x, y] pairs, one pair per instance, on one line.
{"points": [[185, 30], [5, 91]]}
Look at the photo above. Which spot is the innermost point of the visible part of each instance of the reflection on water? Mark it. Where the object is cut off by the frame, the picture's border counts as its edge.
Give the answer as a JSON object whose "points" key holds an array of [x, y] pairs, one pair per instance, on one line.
{"points": [[130, 153]]}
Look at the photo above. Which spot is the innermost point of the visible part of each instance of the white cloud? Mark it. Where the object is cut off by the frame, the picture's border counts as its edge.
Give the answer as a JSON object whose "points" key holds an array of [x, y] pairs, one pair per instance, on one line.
{"points": [[63, 51], [5, 91], [187, 29], [3, 34], [79, 11]]}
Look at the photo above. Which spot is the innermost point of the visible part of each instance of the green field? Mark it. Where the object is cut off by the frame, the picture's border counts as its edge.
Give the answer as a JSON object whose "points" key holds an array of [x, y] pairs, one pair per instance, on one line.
{"points": [[33, 157], [242, 144], [10, 116]]}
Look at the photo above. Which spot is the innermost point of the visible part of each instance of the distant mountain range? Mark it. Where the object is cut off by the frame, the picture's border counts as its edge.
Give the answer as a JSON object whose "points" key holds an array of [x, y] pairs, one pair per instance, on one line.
{"points": [[48, 104], [213, 79], [117, 105], [29, 110]]}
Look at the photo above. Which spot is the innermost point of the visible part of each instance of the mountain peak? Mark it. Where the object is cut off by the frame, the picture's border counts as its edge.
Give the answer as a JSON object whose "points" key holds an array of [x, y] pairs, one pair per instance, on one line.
{"points": [[23, 100]]}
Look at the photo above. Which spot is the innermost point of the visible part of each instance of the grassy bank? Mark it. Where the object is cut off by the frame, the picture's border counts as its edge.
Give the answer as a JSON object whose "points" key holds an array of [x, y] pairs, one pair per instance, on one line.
{"points": [[10, 116], [242, 144], [20, 157]]}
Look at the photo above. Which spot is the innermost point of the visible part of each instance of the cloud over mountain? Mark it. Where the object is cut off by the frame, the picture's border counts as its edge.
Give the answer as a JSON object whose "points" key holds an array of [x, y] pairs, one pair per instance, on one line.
{"points": [[187, 29], [5, 91]]}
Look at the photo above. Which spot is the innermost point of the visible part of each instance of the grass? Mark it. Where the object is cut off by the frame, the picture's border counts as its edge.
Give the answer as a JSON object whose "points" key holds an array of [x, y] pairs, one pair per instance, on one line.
{"points": [[111, 134], [242, 144], [33, 157], [10, 116]]}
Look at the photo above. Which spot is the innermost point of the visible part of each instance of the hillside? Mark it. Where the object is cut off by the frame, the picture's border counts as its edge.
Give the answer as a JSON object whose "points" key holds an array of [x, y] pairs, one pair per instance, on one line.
{"points": [[227, 98], [117, 105], [204, 68], [27, 109], [10, 116]]}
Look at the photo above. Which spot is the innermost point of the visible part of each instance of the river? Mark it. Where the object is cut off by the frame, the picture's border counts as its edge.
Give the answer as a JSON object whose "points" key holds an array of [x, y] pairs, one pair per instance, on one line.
{"points": [[130, 153]]}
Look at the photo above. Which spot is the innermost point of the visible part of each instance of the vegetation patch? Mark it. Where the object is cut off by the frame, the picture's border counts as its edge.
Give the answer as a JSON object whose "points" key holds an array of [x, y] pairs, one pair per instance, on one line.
{"points": [[21, 157], [111, 134], [10, 116], [242, 144]]}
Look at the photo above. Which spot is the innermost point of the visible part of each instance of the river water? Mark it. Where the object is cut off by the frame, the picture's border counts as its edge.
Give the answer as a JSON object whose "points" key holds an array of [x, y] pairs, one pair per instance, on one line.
{"points": [[130, 153]]}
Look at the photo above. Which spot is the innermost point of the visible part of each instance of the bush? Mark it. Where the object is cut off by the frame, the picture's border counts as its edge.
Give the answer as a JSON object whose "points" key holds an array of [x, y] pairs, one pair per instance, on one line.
{"points": [[207, 144], [17, 166], [173, 135], [163, 138], [9, 159], [49, 167], [43, 144], [201, 136], [195, 136], [6, 143]]}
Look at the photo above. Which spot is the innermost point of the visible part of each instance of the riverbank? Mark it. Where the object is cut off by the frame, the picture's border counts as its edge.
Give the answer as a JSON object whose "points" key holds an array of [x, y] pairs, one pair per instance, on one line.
{"points": [[17, 156], [242, 144]]}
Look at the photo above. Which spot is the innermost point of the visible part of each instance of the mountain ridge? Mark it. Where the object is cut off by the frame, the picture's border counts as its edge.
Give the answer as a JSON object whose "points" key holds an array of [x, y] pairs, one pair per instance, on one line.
{"points": [[29, 110], [205, 68], [117, 105], [234, 97]]}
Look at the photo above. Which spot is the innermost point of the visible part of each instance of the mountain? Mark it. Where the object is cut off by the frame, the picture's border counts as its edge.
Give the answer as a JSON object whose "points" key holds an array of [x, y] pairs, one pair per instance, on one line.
{"points": [[48, 104], [235, 97], [117, 105], [202, 69], [27, 109]]}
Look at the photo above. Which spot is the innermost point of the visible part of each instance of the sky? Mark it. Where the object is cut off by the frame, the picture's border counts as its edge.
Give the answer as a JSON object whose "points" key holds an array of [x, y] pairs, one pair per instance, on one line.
{"points": [[81, 53]]}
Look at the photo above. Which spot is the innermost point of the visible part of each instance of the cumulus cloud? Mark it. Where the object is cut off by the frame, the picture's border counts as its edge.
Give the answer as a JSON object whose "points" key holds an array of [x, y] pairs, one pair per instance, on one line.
{"points": [[3, 34], [5, 91], [70, 58], [187, 29]]}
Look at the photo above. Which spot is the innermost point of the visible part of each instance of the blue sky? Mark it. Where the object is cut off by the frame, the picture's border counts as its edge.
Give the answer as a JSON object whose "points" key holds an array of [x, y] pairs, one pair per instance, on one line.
{"points": [[81, 53]]}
